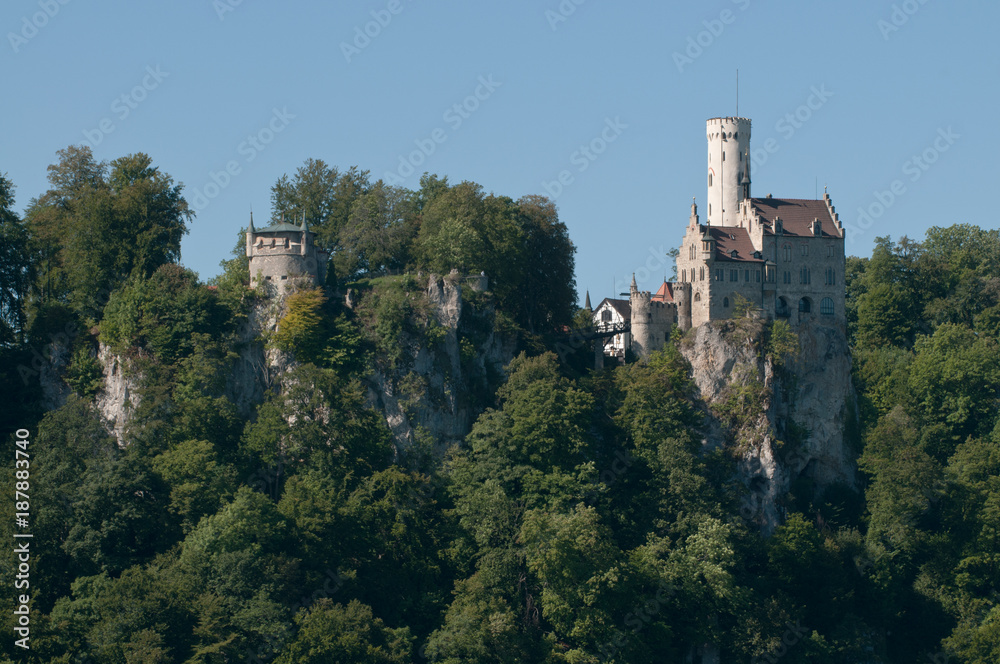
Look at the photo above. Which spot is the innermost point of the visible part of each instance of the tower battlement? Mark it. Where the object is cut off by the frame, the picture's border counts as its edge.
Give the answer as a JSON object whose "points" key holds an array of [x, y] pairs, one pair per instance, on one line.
{"points": [[284, 254]]}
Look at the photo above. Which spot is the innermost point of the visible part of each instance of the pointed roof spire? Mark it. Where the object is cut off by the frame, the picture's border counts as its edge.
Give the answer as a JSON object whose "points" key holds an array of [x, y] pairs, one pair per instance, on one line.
{"points": [[634, 287], [586, 304], [251, 221], [305, 227]]}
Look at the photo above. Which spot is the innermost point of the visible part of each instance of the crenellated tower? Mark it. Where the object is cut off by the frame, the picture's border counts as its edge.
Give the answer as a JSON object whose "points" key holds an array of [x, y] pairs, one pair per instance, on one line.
{"points": [[728, 168], [283, 254]]}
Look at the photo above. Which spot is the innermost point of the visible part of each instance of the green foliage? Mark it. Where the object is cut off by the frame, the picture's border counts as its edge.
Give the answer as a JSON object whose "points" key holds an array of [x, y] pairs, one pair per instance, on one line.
{"points": [[102, 224], [349, 634], [781, 342], [163, 314]]}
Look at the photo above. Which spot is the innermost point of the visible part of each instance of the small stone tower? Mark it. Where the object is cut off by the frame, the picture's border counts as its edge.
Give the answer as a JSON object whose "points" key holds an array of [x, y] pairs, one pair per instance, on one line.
{"points": [[651, 321], [728, 168], [283, 254]]}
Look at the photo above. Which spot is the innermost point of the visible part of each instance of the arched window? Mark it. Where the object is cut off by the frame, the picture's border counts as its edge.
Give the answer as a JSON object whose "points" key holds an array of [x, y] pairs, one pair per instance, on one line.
{"points": [[786, 252], [826, 306], [725, 302], [805, 306], [684, 275], [692, 252], [697, 297], [781, 308]]}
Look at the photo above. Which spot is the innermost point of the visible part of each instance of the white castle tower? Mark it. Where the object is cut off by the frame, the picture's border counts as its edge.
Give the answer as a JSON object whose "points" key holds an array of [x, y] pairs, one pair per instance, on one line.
{"points": [[728, 168]]}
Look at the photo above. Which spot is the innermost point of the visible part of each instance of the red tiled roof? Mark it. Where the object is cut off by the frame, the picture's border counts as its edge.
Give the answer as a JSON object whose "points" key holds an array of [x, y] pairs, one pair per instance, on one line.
{"points": [[665, 294], [796, 214], [733, 238]]}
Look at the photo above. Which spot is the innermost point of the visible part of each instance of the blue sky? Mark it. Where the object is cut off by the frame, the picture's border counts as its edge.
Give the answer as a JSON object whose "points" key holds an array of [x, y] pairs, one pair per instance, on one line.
{"points": [[903, 98]]}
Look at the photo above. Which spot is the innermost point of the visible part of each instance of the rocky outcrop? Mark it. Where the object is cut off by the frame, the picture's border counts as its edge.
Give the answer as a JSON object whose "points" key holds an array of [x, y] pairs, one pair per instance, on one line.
{"points": [[433, 390], [782, 424], [117, 400]]}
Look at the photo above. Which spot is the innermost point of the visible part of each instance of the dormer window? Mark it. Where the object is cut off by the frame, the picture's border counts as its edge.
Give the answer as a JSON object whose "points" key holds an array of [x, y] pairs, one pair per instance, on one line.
{"points": [[733, 253], [757, 255], [817, 227], [779, 226]]}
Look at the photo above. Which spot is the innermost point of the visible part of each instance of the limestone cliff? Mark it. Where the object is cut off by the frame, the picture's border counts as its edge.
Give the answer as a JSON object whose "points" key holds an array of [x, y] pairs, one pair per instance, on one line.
{"points": [[448, 365], [782, 423], [119, 396]]}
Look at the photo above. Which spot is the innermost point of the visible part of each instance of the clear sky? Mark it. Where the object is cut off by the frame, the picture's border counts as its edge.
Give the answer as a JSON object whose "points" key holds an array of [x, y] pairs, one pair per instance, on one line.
{"points": [[259, 87]]}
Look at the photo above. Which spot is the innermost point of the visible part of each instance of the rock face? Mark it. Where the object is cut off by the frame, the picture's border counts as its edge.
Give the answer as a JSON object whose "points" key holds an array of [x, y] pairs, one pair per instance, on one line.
{"points": [[431, 392], [119, 397], [783, 423]]}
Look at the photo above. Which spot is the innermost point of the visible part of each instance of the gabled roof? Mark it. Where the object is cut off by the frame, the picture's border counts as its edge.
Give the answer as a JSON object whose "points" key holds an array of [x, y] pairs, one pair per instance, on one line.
{"points": [[623, 307], [796, 214], [733, 238]]}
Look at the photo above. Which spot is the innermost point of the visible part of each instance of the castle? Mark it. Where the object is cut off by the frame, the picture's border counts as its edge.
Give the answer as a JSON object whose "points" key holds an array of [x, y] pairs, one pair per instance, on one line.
{"points": [[284, 254], [784, 256]]}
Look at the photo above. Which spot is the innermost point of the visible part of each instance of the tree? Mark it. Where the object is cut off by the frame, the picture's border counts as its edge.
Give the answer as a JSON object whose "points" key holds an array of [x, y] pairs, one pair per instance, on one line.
{"points": [[15, 268], [346, 634], [100, 225], [321, 193]]}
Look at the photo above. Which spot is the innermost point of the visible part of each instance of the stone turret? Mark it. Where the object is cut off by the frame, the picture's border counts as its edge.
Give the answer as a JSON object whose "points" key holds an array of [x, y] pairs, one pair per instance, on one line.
{"points": [[728, 166], [283, 254]]}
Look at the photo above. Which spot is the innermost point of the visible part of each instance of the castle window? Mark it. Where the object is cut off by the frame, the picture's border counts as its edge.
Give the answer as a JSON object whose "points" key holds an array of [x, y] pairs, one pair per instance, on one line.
{"points": [[804, 276], [786, 252], [701, 274], [805, 249], [709, 179], [826, 307], [286, 243], [692, 252], [787, 277], [725, 302], [734, 275], [684, 275], [758, 276], [781, 308], [272, 243], [697, 297], [719, 274], [805, 306], [746, 275], [830, 276], [284, 276], [267, 278], [829, 250]]}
